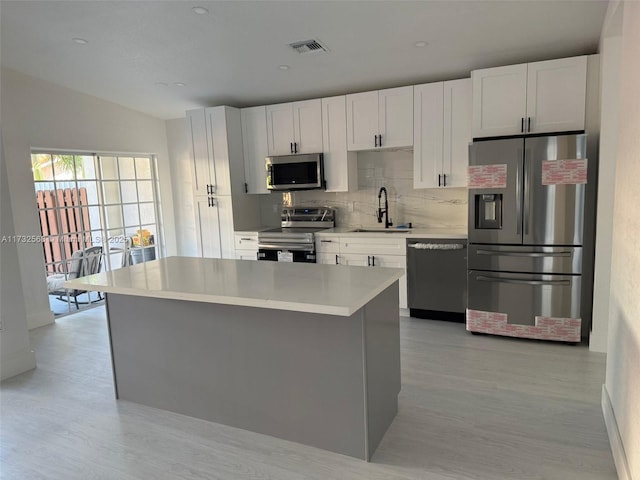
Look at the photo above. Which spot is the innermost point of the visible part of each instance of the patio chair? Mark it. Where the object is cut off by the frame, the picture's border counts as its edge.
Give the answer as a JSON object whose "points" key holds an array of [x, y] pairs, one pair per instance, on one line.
{"points": [[83, 262]]}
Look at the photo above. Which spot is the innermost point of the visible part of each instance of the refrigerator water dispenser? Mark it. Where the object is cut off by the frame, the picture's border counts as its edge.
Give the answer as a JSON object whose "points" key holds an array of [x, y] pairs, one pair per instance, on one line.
{"points": [[489, 211]]}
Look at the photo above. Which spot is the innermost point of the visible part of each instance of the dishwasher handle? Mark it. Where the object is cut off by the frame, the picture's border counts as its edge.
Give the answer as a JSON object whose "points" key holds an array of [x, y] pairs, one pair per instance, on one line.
{"points": [[436, 246]]}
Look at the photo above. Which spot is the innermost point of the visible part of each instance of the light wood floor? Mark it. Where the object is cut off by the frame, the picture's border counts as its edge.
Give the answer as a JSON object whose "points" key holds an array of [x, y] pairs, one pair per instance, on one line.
{"points": [[470, 408]]}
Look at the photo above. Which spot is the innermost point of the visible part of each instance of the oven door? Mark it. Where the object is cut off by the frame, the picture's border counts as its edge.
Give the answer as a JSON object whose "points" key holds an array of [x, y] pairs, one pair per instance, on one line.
{"points": [[288, 253]]}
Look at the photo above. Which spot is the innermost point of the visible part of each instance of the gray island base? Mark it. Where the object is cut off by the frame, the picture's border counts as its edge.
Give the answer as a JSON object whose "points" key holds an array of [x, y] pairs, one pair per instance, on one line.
{"points": [[322, 379]]}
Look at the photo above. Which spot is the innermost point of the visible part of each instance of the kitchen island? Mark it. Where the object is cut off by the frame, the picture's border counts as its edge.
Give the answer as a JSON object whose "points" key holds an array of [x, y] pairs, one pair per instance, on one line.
{"points": [[304, 352]]}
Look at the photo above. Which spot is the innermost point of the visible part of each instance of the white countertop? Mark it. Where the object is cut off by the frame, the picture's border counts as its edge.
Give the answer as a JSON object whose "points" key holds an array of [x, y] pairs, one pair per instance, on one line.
{"points": [[393, 232], [315, 288]]}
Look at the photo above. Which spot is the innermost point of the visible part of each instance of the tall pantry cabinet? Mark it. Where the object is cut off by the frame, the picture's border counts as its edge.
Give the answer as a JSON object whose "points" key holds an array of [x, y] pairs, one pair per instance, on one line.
{"points": [[217, 165]]}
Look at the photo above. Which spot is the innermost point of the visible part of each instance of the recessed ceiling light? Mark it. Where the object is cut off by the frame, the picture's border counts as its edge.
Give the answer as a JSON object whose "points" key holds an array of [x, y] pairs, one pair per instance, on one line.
{"points": [[420, 44], [80, 41], [179, 84], [284, 67], [161, 84], [200, 10]]}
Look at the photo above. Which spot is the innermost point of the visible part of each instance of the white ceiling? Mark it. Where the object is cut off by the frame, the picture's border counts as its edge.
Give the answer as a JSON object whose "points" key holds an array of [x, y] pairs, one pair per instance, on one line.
{"points": [[231, 55]]}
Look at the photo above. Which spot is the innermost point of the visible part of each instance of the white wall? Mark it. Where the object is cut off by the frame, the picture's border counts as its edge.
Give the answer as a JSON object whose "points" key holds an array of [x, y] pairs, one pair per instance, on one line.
{"points": [[36, 113], [621, 397], [16, 355]]}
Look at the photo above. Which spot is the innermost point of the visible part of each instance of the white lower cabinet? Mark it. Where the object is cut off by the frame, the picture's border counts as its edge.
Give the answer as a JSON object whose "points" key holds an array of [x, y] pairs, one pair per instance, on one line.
{"points": [[246, 245], [365, 252], [214, 225]]}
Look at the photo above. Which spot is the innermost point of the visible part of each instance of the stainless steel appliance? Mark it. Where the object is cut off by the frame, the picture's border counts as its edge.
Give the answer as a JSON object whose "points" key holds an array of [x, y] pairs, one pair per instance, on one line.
{"points": [[437, 278], [294, 241], [526, 261], [295, 172]]}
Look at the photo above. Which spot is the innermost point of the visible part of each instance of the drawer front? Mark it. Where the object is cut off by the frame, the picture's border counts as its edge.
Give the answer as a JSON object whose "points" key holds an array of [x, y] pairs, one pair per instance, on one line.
{"points": [[328, 258], [246, 241], [522, 297], [525, 259], [246, 254], [373, 245], [328, 244]]}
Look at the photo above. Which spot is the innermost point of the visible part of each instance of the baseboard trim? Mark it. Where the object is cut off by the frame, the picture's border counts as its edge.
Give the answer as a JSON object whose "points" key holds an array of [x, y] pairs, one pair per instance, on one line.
{"points": [[17, 363], [40, 319], [615, 439]]}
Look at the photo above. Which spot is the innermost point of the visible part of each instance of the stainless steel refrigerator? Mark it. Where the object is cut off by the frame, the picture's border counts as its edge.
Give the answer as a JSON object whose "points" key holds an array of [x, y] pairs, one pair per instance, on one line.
{"points": [[526, 259]]}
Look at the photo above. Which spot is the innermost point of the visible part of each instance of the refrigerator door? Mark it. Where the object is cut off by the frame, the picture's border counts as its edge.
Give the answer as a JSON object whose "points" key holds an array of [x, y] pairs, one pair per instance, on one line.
{"points": [[495, 205], [553, 210], [523, 297]]}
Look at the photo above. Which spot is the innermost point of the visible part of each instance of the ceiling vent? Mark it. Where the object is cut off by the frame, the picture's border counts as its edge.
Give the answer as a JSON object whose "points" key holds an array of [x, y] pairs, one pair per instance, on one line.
{"points": [[309, 46]]}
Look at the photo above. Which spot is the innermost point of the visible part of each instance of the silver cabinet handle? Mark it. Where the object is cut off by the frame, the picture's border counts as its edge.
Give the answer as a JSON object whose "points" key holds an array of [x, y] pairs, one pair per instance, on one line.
{"points": [[482, 278], [522, 254]]}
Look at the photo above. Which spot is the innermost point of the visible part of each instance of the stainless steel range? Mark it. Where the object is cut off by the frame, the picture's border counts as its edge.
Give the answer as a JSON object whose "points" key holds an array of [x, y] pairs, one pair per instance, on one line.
{"points": [[294, 241]]}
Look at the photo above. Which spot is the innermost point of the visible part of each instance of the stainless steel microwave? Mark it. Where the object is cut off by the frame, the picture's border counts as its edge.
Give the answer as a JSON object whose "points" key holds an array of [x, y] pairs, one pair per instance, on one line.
{"points": [[295, 172]]}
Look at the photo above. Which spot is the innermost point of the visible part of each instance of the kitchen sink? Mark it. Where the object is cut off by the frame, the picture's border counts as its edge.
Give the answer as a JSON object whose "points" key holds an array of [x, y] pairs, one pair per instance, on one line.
{"points": [[379, 230]]}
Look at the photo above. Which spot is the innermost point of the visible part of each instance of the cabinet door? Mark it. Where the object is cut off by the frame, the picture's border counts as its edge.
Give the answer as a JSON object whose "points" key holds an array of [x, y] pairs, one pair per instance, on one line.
{"points": [[207, 227], [280, 133], [246, 255], [499, 100], [395, 117], [307, 126], [254, 142], [428, 135], [556, 92], [328, 258], [355, 259], [202, 173], [326, 244], [394, 261], [340, 167], [218, 146], [362, 120], [457, 132]]}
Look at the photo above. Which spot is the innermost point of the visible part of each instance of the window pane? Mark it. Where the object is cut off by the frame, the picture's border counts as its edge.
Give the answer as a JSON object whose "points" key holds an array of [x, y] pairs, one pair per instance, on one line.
{"points": [[145, 191], [147, 213], [143, 167], [129, 194], [109, 168], [97, 237], [42, 166], [85, 167], [111, 192], [114, 216], [64, 167], [131, 217], [94, 217], [90, 194], [127, 170]]}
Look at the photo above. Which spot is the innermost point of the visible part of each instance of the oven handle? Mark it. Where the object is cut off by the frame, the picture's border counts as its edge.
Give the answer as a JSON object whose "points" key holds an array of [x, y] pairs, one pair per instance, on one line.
{"points": [[286, 246], [497, 253], [483, 278]]}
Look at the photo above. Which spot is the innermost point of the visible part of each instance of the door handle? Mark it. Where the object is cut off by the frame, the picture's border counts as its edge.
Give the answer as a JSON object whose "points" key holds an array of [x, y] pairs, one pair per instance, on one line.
{"points": [[295, 147], [291, 147], [375, 140], [373, 260], [521, 124], [483, 278], [439, 175], [444, 177], [380, 140], [529, 124], [337, 260], [522, 254]]}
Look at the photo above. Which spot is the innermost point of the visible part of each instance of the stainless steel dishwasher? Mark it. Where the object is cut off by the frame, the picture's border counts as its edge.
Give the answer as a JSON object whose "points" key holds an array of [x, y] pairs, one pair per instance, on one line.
{"points": [[437, 278]]}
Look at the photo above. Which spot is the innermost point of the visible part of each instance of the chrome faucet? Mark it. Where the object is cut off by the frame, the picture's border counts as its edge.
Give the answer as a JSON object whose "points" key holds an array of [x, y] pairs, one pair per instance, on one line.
{"points": [[384, 211]]}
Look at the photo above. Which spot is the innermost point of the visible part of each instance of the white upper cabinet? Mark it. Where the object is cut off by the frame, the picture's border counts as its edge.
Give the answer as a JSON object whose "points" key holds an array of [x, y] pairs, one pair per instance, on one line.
{"points": [[442, 132], [540, 97], [556, 93], [457, 132], [499, 100], [395, 120], [294, 127], [340, 168], [201, 166], [380, 119], [254, 142]]}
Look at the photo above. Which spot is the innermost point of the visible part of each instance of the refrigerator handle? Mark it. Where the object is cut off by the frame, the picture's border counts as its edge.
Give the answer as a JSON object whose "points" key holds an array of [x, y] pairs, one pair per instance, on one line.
{"points": [[527, 194], [483, 278], [518, 203]]}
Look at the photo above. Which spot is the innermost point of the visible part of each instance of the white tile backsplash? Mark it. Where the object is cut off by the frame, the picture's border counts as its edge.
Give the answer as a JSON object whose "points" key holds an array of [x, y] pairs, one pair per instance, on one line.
{"points": [[433, 208]]}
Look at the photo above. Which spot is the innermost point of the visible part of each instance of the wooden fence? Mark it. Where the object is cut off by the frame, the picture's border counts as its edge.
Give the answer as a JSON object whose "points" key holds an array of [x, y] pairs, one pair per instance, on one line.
{"points": [[64, 220]]}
